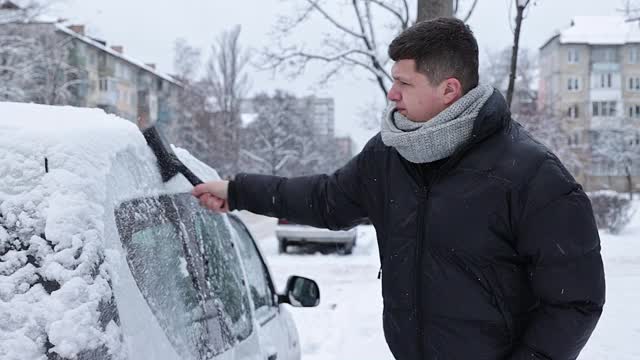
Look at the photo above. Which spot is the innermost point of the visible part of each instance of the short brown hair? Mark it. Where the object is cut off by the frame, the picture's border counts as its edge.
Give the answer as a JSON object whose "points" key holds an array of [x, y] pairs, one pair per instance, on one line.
{"points": [[442, 48]]}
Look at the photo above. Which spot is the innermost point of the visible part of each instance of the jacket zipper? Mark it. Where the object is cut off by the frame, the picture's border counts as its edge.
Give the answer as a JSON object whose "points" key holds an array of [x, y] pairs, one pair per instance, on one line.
{"points": [[423, 195]]}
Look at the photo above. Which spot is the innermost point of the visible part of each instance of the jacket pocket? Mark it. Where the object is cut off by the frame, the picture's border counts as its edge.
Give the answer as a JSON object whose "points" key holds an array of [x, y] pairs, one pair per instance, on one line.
{"points": [[397, 273], [486, 277]]}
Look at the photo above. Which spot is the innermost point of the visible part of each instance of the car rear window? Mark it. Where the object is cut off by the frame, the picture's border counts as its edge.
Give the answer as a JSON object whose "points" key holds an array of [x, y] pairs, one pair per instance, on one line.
{"points": [[158, 262], [163, 261]]}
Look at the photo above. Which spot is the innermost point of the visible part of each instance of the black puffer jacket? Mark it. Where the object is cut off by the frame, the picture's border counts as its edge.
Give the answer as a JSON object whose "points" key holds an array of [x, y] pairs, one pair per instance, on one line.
{"points": [[497, 256]]}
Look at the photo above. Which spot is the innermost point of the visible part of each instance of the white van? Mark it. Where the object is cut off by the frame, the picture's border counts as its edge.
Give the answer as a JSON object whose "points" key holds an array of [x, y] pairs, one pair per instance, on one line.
{"points": [[100, 259]]}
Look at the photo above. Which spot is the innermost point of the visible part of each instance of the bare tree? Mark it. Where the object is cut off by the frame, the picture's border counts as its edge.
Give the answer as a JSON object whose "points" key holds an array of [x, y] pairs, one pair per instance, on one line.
{"points": [[496, 72], [355, 40], [630, 9], [210, 104], [274, 139], [521, 5], [191, 128], [39, 64], [186, 61], [226, 71], [56, 74], [23, 11], [227, 84], [617, 152], [15, 67]]}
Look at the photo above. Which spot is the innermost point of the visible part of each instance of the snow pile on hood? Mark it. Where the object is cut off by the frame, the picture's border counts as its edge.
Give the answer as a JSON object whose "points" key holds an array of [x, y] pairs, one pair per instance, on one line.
{"points": [[54, 166]]}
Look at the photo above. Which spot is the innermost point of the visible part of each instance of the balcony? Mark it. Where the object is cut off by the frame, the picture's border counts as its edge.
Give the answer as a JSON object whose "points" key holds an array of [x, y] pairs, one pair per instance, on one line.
{"points": [[605, 122], [605, 67]]}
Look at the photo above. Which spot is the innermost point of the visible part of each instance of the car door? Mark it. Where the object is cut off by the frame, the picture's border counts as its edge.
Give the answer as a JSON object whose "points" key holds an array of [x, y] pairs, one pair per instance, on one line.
{"points": [[276, 340], [168, 269]]}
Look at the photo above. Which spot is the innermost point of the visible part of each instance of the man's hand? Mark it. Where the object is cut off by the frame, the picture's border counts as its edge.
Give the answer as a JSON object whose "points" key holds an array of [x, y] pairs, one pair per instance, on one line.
{"points": [[213, 195]]}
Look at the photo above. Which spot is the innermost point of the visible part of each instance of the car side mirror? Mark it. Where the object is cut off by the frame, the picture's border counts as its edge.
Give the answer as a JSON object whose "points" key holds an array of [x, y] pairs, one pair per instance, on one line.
{"points": [[300, 292]]}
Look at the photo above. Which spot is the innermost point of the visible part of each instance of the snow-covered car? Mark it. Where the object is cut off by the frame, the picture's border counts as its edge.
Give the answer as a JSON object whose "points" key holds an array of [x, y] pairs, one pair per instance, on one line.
{"points": [[100, 259], [289, 233]]}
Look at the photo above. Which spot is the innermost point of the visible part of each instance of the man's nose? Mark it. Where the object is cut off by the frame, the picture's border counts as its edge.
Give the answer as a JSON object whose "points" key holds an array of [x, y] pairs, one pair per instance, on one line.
{"points": [[393, 94]]}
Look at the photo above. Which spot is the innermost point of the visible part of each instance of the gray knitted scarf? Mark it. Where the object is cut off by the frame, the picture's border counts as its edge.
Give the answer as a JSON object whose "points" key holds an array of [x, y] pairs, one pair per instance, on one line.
{"points": [[438, 138]]}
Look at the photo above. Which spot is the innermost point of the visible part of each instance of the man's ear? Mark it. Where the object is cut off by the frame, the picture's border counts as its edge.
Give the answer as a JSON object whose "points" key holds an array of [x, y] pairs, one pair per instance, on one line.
{"points": [[452, 90]]}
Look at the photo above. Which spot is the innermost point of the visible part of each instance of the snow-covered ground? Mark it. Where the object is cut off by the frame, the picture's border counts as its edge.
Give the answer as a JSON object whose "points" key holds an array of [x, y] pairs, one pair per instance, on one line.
{"points": [[348, 322]]}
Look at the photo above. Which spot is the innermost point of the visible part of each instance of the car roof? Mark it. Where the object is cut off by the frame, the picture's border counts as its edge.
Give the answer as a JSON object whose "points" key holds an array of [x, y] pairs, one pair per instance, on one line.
{"points": [[39, 141], [61, 170]]}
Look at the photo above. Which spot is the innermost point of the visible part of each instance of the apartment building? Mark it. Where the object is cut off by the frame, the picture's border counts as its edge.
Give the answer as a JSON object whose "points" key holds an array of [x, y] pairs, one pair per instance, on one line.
{"points": [[107, 78], [321, 110], [590, 79]]}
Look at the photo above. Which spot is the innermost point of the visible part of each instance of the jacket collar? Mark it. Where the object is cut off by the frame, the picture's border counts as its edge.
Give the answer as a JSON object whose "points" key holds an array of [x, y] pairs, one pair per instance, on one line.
{"points": [[493, 116]]}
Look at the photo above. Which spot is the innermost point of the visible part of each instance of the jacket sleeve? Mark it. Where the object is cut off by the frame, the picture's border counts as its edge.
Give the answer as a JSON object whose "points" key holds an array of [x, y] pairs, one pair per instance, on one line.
{"points": [[557, 232], [326, 201]]}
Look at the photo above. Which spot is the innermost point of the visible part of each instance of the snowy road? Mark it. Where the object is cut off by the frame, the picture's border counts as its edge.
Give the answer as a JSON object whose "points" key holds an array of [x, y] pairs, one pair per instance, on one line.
{"points": [[348, 322]]}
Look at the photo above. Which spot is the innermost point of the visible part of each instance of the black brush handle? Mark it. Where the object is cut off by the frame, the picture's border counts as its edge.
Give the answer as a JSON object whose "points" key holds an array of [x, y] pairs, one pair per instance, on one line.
{"points": [[193, 178]]}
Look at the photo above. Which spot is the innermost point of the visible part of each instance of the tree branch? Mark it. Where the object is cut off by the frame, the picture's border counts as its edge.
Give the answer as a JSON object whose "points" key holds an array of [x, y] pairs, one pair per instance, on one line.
{"points": [[333, 21], [366, 41], [406, 13], [303, 16], [372, 34], [473, 6], [403, 20]]}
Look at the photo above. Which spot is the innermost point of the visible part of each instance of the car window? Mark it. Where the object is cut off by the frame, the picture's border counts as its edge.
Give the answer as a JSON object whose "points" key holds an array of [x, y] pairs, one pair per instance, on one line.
{"points": [[158, 256], [225, 274], [257, 275]]}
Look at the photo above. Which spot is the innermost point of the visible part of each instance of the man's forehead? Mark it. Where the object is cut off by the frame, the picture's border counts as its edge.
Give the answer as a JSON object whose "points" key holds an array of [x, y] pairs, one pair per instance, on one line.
{"points": [[403, 68]]}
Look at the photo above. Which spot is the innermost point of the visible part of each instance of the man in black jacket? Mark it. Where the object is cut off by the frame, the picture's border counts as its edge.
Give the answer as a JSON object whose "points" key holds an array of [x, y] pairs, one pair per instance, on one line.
{"points": [[488, 246]]}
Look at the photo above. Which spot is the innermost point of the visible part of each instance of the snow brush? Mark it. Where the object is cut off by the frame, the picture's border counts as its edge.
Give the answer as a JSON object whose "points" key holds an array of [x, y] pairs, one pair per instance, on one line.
{"points": [[168, 161]]}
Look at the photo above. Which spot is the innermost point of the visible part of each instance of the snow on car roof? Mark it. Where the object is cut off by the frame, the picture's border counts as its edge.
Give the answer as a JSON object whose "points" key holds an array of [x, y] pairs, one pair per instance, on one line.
{"points": [[58, 168]]}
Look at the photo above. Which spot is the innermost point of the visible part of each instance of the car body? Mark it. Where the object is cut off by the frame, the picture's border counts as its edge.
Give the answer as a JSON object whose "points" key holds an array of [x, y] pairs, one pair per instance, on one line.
{"points": [[289, 233], [102, 260]]}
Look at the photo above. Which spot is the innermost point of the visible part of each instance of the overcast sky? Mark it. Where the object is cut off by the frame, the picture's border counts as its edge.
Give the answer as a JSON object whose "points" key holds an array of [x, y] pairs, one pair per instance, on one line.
{"points": [[148, 28]]}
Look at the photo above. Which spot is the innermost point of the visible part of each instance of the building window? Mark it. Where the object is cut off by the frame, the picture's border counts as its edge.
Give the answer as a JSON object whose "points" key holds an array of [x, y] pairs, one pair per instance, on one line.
{"points": [[633, 55], [103, 84], [573, 112], [634, 111], [610, 55], [573, 140], [604, 55], [573, 83], [603, 81], [604, 108], [634, 83], [573, 56]]}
